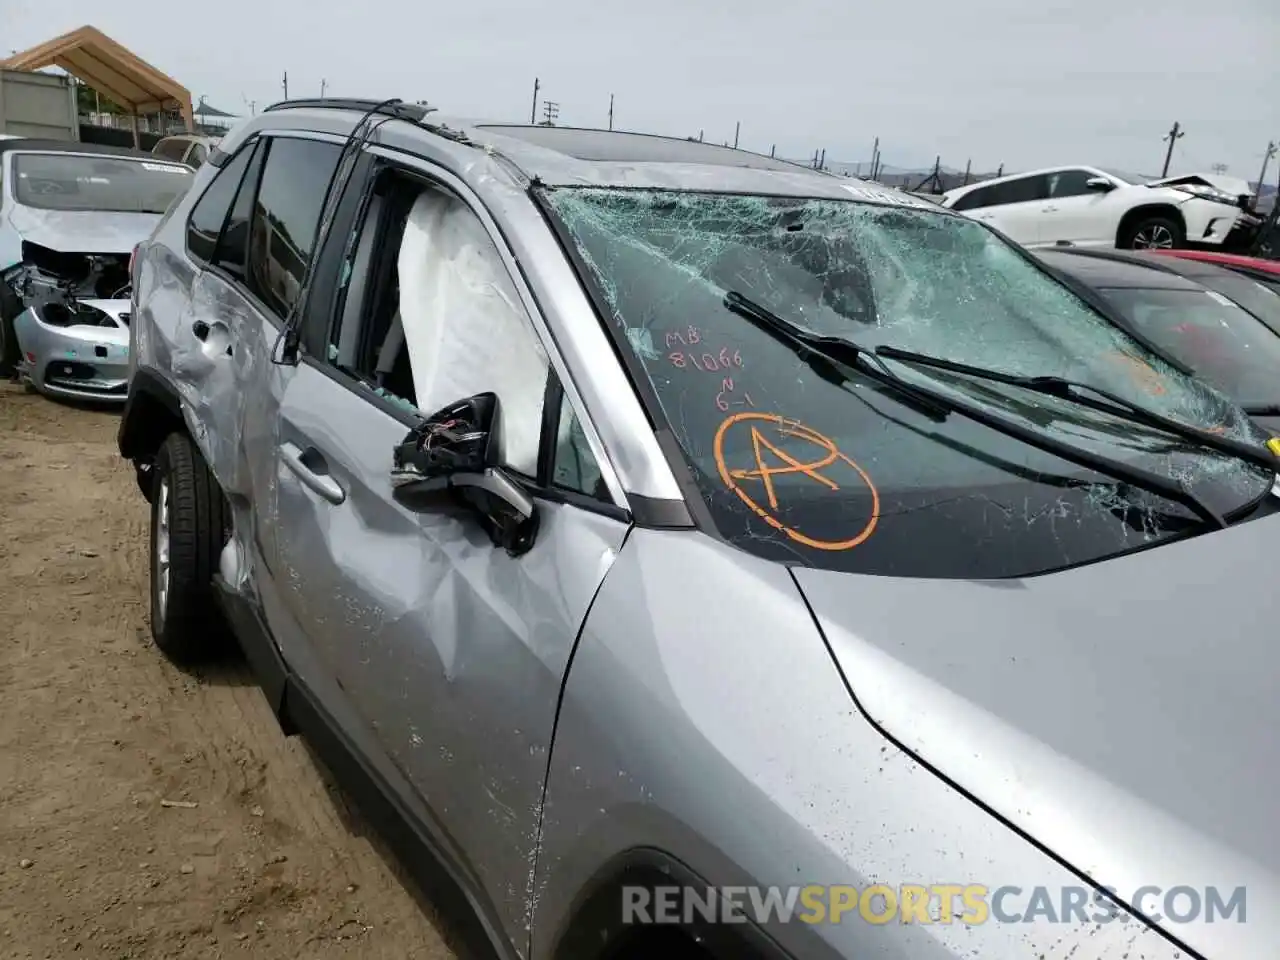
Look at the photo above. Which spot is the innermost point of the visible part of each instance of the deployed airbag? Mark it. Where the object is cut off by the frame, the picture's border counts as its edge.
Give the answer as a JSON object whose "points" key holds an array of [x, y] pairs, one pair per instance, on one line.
{"points": [[464, 326]]}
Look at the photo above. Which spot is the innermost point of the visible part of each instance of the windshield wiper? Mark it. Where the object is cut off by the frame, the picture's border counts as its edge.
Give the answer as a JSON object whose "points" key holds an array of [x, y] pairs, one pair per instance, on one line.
{"points": [[807, 344], [1113, 404]]}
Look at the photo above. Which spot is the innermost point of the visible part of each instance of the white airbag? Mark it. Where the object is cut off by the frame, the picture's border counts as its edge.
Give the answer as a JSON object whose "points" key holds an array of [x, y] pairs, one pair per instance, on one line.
{"points": [[464, 325]]}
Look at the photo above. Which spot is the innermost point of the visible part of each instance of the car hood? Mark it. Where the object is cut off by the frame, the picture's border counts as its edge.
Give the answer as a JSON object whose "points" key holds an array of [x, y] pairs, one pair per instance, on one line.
{"points": [[1122, 714], [83, 231]]}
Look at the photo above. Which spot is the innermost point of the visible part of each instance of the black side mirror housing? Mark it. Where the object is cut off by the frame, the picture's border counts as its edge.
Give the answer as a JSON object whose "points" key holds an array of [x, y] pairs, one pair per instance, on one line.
{"points": [[453, 455], [1100, 184]]}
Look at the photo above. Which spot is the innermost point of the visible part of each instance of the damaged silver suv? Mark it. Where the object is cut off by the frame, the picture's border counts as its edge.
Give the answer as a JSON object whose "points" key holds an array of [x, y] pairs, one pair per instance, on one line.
{"points": [[676, 549]]}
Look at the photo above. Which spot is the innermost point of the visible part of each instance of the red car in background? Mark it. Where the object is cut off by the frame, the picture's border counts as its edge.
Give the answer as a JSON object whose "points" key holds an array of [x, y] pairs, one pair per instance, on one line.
{"points": [[1234, 261]]}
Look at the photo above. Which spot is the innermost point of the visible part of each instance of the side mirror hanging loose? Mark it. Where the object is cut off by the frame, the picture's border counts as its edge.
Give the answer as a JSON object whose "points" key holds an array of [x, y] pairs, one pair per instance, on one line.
{"points": [[455, 450]]}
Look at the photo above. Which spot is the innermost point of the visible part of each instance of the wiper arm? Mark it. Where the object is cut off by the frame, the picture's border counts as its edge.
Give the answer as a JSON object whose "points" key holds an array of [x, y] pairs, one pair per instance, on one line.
{"points": [[838, 350], [1111, 403], [823, 353]]}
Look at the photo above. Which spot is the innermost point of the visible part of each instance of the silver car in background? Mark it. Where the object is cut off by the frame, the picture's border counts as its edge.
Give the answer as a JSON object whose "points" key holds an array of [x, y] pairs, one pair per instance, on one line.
{"points": [[638, 526], [70, 216]]}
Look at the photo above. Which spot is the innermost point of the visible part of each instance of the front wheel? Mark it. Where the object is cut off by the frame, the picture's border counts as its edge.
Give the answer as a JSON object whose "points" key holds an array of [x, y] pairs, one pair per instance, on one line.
{"points": [[187, 537], [1153, 233]]}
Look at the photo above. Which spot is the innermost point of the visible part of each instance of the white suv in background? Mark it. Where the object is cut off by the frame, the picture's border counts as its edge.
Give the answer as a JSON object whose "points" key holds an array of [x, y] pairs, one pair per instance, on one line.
{"points": [[1088, 207]]}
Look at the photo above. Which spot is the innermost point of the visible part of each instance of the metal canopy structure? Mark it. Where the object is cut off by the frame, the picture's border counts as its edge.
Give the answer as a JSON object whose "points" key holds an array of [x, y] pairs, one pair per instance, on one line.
{"points": [[92, 57]]}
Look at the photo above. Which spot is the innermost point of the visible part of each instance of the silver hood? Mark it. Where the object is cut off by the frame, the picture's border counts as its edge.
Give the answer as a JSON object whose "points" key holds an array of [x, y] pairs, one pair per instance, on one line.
{"points": [[1123, 714], [83, 231]]}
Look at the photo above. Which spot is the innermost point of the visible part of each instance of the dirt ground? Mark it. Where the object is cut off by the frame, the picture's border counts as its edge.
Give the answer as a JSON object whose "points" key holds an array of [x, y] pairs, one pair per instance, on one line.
{"points": [[259, 857]]}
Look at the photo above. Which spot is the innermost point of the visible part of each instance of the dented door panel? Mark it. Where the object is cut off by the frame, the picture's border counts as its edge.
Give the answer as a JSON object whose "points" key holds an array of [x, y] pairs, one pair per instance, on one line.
{"points": [[450, 651]]}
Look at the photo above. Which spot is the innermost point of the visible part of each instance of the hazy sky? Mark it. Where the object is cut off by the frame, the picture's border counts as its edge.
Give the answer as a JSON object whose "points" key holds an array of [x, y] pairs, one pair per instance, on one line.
{"points": [[1026, 83]]}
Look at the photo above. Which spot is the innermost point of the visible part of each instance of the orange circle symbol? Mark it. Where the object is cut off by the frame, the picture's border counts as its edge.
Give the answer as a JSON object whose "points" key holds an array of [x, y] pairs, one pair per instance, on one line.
{"points": [[789, 428]]}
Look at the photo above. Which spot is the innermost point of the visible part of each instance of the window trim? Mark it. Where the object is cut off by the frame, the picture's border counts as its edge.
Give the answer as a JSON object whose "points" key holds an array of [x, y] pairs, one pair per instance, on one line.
{"points": [[263, 311]]}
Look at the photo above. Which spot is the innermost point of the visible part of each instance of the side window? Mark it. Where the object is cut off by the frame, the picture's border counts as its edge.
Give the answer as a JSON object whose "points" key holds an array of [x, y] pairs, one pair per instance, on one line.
{"points": [[233, 244], [429, 314], [575, 467], [282, 230], [1068, 183], [973, 199], [210, 212], [1021, 190], [198, 155], [171, 149]]}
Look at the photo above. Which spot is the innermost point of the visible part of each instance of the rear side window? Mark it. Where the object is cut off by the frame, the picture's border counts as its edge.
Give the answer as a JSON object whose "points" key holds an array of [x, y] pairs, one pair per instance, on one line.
{"points": [[282, 231], [171, 149], [972, 199], [210, 212], [1022, 190]]}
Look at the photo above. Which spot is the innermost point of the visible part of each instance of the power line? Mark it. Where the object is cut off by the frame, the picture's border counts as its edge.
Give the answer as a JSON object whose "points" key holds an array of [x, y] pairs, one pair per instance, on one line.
{"points": [[550, 110]]}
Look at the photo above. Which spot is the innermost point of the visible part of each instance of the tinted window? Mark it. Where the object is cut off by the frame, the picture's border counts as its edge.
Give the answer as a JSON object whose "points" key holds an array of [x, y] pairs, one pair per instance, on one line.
{"points": [[1069, 183], [973, 199], [98, 183], [198, 156], [295, 179], [804, 462], [171, 149], [1211, 335], [233, 245], [210, 212], [1022, 190]]}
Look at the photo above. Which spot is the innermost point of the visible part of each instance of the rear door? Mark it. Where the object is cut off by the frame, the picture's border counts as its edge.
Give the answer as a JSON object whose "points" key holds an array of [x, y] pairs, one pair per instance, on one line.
{"points": [[1075, 214], [441, 653], [1015, 208]]}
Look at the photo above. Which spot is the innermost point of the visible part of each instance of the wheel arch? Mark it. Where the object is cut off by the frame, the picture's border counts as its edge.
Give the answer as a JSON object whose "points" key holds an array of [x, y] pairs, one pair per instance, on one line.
{"points": [[1158, 208], [595, 927], [152, 411]]}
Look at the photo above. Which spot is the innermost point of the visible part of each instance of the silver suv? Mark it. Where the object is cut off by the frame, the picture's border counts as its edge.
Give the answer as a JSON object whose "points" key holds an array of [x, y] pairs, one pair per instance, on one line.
{"points": [[674, 548]]}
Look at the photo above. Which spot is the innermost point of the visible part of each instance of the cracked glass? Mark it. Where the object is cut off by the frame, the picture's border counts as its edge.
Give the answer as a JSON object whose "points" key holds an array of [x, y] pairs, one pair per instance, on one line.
{"points": [[809, 463]]}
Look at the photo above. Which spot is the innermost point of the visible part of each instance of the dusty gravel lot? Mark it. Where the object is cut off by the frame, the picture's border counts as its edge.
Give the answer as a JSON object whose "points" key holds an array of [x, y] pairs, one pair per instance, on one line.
{"points": [[96, 729]]}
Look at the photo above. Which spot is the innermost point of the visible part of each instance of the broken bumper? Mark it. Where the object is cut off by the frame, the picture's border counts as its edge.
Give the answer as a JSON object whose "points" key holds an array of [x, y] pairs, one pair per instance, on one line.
{"points": [[80, 361]]}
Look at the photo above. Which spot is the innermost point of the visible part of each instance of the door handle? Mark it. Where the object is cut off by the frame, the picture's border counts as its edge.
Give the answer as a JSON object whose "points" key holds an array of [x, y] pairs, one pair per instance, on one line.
{"points": [[1049, 209], [309, 466]]}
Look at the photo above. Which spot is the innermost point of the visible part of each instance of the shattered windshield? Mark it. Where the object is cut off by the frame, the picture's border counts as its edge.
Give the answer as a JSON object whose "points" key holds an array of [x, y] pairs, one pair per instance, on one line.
{"points": [[100, 183], [801, 462]]}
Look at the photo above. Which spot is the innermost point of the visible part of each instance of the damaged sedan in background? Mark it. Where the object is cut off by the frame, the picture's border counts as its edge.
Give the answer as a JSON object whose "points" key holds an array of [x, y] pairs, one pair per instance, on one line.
{"points": [[70, 217]]}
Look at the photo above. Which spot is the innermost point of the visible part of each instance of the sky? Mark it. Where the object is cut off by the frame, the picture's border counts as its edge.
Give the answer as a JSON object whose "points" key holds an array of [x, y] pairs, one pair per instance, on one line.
{"points": [[1023, 84]]}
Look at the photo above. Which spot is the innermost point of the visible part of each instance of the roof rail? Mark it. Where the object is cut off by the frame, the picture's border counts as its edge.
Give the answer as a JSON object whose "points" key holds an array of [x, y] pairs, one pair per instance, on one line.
{"points": [[413, 112]]}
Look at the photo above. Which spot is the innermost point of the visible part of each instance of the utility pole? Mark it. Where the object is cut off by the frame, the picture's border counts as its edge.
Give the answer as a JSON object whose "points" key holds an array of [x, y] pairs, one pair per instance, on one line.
{"points": [[772, 148], [1000, 172], [875, 158], [323, 83], [700, 133], [286, 84], [1266, 159], [1175, 134], [968, 165], [533, 110], [737, 129], [550, 110], [611, 111], [822, 161]]}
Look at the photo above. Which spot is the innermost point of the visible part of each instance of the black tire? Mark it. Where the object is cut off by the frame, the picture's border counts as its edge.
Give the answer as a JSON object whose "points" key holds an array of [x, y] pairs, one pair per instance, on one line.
{"points": [[10, 307], [186, 621], [1142, 232]]}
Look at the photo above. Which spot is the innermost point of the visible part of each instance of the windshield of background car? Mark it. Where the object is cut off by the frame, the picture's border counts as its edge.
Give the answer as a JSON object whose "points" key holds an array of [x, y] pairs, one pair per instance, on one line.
{"points": [[98, 183], [1208, 333], [809, 463]]}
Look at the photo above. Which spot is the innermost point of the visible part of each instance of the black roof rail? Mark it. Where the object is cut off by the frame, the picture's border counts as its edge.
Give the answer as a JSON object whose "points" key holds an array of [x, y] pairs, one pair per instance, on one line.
{"points": [[413, 112]]}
